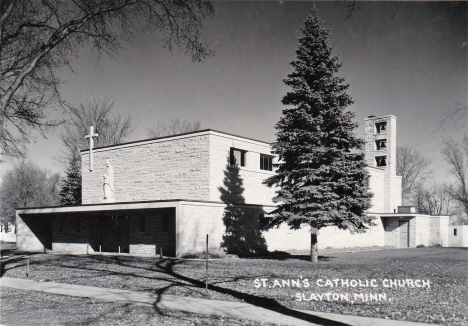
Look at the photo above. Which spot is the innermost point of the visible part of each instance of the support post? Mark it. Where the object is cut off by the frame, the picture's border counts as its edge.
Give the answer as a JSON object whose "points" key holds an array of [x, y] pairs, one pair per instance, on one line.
{"points": [[27, 267], [206, 280]]}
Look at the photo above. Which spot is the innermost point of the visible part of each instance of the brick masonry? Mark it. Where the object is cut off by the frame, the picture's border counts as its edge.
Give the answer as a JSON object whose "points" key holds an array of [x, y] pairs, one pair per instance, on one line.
{"points": [[171, 168]]}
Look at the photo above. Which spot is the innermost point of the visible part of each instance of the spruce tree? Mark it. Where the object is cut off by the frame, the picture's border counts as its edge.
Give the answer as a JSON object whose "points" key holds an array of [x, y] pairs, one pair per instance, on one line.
{"points": [[321, 171]]}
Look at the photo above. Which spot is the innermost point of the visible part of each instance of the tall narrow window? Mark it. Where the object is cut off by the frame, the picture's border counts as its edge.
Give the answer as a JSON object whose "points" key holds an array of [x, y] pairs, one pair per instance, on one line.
{"points": [[266, 162], [237, 157], [142, 223], [455, 232], [381, 161], [381, 127]]}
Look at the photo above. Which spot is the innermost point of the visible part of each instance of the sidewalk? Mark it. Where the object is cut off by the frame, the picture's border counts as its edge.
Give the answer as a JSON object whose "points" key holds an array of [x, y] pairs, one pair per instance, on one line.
{"points": [[201, 306]]}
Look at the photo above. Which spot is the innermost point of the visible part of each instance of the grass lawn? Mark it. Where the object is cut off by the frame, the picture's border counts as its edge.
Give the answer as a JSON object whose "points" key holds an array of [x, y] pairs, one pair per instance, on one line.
{"points": [[444, 301], [36, 308]]}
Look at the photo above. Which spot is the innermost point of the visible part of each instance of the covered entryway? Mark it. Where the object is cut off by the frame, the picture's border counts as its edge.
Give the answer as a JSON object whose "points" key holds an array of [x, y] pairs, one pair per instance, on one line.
{"points": [[112, 233], [146, 228]]}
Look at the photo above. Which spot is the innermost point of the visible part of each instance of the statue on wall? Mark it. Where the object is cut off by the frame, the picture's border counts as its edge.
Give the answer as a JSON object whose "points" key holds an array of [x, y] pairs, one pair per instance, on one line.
{"points": [[109, 183]]}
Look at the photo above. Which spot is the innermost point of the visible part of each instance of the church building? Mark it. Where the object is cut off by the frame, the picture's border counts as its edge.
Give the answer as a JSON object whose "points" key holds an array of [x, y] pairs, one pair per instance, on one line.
{"points": [[166, 195]]}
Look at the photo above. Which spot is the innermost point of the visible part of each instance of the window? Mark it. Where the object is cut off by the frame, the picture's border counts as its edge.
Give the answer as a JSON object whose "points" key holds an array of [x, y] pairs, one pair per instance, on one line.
{"points": [[454, 232], [142, 223], [381, 160], [380, 127], [237, 157], [266, 162], [381, 144]]}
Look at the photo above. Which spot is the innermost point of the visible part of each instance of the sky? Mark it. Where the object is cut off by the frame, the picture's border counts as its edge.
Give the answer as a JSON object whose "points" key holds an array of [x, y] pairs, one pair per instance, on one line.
{"points": [[401, 58]]}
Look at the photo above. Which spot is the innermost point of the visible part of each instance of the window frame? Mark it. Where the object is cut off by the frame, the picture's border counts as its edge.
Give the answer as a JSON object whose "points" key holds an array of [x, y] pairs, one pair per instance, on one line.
{"points": [[232, 159], [269, 161]]}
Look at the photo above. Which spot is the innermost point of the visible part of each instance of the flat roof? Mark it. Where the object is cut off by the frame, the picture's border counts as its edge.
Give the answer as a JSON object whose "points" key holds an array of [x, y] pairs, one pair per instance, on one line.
{"points": [[192, 133], [405, 215], [120, 206]]}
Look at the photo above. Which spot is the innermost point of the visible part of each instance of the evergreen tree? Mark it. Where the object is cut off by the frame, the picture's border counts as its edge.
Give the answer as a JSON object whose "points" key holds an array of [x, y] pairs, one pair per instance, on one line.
{"points": [[321, 171], [70, 191]]}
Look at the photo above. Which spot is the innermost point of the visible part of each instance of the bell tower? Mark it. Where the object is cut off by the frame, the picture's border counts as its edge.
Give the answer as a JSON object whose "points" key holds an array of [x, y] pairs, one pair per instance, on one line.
{"points": [[380, 147]]}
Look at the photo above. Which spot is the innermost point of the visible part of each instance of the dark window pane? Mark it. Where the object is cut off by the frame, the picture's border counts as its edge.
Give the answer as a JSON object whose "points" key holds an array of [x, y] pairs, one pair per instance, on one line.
{"points": [[266, 162]]}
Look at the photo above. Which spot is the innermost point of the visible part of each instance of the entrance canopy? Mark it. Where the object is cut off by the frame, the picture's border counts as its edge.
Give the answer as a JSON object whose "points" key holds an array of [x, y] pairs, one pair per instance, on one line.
{"points": [[146, 228]]}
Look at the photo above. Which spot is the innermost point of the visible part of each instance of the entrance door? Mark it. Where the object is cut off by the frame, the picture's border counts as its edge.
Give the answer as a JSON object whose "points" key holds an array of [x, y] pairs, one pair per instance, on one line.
{"points": [[404, 234], [114, 234]]}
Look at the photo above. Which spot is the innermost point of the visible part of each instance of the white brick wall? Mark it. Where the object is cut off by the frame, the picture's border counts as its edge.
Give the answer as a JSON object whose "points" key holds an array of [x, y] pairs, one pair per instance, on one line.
{"points": [[423, 230], [285, 239], [186, 167], [252, 177], [376, 185], [26, 240], [172, 168], [461, 239]]}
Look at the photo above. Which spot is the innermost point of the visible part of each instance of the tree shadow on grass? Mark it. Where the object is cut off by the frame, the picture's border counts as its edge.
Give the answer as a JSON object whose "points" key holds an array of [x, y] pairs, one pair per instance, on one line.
{"points": [[267, 303], [166, 268]]}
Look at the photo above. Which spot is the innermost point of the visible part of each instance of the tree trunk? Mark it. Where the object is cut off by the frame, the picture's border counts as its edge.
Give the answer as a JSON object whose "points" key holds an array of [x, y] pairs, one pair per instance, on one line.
{"points": [[313, 248]]}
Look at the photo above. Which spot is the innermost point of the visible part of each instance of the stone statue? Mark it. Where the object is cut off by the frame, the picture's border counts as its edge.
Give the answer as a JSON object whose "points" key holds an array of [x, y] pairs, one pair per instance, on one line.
{"points": [[109, 183]]}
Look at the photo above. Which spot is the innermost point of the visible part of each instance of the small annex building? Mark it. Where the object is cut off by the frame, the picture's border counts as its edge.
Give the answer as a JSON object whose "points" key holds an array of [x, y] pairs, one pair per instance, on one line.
{"points": [[458, 236], [165, 195]]}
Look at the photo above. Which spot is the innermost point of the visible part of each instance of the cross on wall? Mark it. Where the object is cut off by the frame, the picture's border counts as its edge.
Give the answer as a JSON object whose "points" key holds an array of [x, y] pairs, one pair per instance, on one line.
{"points": [[91, 145]]}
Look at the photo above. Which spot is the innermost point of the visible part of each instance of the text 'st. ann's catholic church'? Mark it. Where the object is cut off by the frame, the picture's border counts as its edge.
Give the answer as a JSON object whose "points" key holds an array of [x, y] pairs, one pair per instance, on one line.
{"points": [[166, 194]]}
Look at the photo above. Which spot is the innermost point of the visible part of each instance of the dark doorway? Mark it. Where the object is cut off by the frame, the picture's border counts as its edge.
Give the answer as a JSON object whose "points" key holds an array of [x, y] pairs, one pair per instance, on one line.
{"points": [[404, 233], [113, 233]]}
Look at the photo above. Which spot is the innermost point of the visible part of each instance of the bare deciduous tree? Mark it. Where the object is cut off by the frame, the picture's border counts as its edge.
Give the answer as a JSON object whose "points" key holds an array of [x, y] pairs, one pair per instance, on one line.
{"points": [[27, 185], [173, 127], [112, 129], [435, 200], [414, 169], [456, 155], [37, 37]]}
